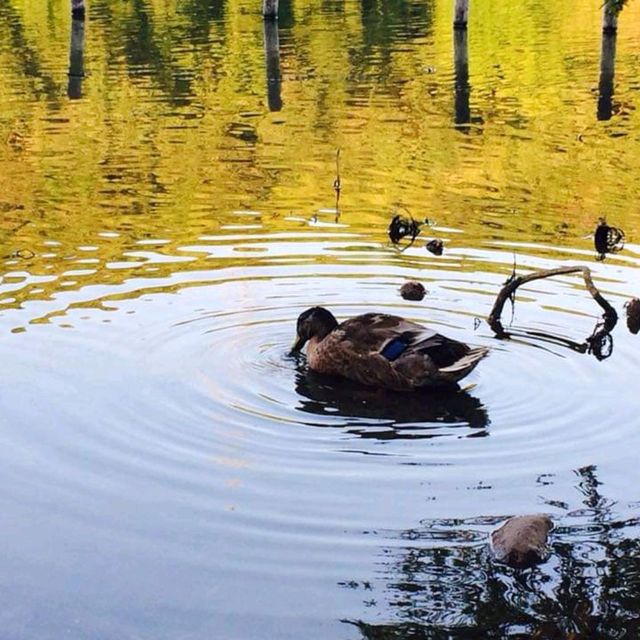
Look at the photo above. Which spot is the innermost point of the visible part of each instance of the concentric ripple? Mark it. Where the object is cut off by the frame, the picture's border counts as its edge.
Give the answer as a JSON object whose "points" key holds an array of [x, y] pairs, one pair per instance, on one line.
{"points": [[197, 439]]}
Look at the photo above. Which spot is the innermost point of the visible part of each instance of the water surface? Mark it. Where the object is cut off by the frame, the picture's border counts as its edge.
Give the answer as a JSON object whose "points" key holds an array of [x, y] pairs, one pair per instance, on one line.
{"points": [[167, 210]]}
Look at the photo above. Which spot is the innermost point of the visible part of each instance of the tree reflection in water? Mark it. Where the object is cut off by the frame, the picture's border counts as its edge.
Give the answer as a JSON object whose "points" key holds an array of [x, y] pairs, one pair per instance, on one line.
{"points": [[387, 415], [444, 584]]}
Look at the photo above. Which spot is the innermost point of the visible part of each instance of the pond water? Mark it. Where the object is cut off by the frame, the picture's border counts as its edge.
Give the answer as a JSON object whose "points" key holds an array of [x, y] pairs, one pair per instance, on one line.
{"points": [[167, 210]]}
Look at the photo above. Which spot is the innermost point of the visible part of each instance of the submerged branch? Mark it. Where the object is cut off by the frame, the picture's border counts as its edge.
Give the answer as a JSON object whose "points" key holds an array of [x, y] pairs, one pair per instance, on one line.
{"points": [[508, 290]]}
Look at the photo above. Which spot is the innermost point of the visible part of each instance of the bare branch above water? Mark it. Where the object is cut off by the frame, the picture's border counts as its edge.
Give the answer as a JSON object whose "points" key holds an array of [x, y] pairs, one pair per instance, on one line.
{"points": [[508, 290]]}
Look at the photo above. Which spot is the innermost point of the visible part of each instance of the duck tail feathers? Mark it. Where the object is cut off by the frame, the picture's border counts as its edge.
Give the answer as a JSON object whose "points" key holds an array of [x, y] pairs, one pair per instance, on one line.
{"points": [[466, 364]]}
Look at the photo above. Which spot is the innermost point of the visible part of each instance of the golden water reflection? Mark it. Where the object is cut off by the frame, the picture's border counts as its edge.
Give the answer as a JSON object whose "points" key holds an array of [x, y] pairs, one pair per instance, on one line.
{"points": [[175, 128]]}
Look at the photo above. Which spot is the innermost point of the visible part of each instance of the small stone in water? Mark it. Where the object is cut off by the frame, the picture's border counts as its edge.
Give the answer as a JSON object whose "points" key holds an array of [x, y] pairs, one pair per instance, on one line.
{"points": [[633, 315], [412, 290], [522, 541], [436, 247]]}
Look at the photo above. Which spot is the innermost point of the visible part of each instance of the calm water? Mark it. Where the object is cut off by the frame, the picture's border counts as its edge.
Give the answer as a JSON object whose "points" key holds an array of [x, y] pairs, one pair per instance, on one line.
{"points": [[166, 212]]}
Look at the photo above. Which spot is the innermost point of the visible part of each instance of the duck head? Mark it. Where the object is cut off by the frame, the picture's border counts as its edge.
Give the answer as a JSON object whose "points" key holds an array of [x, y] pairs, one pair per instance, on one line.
{"points": [[316, 322]]}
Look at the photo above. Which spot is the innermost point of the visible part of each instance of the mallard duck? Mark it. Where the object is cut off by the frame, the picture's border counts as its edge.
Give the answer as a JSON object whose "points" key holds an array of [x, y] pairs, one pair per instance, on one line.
{"points": [[382, 350]]}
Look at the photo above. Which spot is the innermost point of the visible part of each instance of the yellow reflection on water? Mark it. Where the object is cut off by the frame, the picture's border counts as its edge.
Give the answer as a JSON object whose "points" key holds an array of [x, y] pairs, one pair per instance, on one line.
{"points": [[171, 137]]}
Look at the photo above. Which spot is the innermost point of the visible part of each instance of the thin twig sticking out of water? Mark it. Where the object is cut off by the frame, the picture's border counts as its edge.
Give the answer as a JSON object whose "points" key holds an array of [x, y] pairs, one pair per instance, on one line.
{"points": [[337, 184]]}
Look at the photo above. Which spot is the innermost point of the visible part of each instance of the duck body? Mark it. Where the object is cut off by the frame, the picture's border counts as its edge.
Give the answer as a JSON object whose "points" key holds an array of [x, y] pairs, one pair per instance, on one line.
{"points": [[384, 350]]}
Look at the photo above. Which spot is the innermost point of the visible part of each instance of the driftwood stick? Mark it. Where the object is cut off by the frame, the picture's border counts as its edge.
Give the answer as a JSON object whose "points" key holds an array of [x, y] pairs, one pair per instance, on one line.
{"points": [[610, 315]]}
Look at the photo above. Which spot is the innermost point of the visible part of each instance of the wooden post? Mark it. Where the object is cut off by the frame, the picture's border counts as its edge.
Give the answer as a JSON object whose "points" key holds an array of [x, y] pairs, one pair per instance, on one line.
{"points": [[76, 59], [270, 9], [609, 18], [461, 66], [607, 73], [77, 9], [460, 14], [272, 62]]}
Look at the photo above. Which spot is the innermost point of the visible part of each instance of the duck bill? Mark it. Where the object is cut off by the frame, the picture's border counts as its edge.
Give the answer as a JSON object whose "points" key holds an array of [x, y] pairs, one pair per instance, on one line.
{"points": [[297, 344]]}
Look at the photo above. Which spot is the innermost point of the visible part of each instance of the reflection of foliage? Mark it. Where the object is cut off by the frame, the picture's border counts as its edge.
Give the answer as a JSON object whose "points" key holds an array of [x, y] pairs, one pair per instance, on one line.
{"points": [[386, 22], [167, 78], [445, 585], [25, 53]]}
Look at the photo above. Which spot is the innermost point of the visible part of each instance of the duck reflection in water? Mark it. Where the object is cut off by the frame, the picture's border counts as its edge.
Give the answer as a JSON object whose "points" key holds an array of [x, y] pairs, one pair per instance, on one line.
{"points": [[366, 410]]}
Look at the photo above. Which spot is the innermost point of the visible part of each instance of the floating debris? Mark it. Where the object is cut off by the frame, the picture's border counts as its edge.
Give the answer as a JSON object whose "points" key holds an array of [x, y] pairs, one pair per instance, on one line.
{"points": [[633, 315], [24, 254], [400, 227], [607, 239], [412, 290], [435, 246], [522, 541], [406, 227]]}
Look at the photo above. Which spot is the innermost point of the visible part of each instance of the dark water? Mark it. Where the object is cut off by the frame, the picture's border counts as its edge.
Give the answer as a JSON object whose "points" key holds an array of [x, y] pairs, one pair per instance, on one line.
{"points": [[166, 212]]}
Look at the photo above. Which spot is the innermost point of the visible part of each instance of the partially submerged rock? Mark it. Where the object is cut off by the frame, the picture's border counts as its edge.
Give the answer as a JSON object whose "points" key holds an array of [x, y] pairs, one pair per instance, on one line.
{"points": [[412, 290], [522, 541], [435, 246], [633, 315]]}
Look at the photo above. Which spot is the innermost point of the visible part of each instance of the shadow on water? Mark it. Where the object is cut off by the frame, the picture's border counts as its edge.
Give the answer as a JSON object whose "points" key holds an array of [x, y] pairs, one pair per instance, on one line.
{"points": [[367, 410], [444, 584]]}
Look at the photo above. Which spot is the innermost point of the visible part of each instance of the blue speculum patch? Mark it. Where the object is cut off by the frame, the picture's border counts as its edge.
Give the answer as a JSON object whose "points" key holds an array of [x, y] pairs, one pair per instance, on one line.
{"points": [[393, 349]]}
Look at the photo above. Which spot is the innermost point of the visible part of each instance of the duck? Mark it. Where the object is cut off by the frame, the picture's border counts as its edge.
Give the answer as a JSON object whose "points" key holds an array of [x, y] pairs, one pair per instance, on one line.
{"points": [[382, 350]]}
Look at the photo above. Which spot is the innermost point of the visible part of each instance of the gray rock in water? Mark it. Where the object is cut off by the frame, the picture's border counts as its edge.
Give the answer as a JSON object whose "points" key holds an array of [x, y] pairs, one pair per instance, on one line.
{"points": [[522, 541]]}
